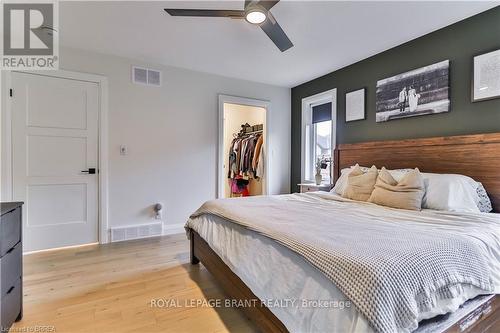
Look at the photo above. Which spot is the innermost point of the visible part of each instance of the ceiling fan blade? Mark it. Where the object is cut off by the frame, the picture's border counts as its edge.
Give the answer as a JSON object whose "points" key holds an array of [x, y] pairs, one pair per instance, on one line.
{"points": [[206, 12], [275, 33], [267, 4]]}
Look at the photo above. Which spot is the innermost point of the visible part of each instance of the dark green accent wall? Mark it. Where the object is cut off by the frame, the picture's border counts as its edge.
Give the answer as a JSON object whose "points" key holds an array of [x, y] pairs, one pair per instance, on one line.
{"points": [[458, 43]]}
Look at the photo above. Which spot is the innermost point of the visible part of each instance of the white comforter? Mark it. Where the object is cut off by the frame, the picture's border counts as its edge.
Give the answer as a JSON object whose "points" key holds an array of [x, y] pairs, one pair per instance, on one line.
{"points": [[294, 279]]}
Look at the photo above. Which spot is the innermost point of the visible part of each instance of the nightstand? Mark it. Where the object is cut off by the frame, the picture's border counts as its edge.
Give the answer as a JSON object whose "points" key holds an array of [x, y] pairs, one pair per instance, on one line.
{"points": [[311, 187]]}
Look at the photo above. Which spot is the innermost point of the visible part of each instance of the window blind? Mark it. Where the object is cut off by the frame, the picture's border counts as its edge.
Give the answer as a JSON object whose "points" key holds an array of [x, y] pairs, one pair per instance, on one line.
{"points": [[322, 112]]}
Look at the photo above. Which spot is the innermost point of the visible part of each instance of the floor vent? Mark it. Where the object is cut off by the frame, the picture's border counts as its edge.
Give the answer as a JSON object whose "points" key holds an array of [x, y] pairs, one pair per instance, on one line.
{"points": [[136, 231]]}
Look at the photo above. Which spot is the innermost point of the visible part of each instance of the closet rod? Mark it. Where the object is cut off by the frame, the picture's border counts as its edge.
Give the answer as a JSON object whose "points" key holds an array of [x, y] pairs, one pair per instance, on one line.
{"points": [[258, 131], [242, 134]]}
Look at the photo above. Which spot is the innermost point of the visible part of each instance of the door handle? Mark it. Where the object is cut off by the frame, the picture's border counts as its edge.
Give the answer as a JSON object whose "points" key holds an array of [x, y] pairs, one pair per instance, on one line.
{"points": [[90, 171]]}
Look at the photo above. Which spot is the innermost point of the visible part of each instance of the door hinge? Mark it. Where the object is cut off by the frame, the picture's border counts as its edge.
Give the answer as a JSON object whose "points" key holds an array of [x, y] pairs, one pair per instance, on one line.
{"points": [[10, 92]]}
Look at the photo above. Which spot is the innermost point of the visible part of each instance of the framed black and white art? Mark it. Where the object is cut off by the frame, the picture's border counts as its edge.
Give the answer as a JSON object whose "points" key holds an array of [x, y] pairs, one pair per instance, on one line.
{"points": [[419, 92], [486, 76], [355, 105]]}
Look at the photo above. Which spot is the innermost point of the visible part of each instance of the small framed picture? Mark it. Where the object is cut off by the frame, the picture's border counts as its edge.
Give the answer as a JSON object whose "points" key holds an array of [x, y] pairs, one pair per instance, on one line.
{"points": [[486, 76], [355, 105]]}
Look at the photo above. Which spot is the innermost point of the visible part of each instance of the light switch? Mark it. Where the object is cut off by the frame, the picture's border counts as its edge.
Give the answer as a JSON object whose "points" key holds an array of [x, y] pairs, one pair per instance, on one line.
{"points": [[123, 150]]}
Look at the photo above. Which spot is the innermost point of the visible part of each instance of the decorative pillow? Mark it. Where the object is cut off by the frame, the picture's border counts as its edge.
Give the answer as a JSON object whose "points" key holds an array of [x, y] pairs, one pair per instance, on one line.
{"points": [[405, 194], [451, 192], [341, 183], [484, 203], [360, 184]]}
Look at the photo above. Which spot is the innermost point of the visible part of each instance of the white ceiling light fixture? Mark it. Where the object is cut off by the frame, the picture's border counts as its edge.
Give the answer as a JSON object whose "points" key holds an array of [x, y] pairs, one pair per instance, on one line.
{"points": [[255, 16]]}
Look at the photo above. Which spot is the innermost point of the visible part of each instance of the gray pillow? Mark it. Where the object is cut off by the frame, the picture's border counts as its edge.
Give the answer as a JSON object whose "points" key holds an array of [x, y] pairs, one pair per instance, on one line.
{"points": [[484, 204]]}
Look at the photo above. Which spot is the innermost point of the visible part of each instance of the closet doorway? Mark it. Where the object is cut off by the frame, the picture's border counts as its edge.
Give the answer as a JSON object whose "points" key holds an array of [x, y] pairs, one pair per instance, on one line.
{"points": [[243, 143]]}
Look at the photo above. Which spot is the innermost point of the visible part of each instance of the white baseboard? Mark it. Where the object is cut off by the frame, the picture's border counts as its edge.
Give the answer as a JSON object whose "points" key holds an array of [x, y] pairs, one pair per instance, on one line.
{"points": [[172, 229]]}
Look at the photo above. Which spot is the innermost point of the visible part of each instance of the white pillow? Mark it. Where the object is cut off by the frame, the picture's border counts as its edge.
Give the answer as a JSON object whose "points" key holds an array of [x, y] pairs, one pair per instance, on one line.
{"points": [[456, 193], [341, 183], [450, 192]]}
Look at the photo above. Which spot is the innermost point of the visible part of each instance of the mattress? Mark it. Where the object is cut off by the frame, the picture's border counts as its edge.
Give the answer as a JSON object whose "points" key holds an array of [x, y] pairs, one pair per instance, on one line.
{"points": [[298, 294]]}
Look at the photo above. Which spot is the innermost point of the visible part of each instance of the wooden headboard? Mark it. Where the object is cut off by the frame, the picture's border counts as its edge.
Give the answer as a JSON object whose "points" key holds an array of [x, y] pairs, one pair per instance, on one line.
{"points": [[476, 156]]}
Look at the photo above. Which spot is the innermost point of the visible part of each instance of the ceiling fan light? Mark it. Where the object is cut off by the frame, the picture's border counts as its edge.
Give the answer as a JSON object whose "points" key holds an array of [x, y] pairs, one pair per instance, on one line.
{"points": [[255, 16]]}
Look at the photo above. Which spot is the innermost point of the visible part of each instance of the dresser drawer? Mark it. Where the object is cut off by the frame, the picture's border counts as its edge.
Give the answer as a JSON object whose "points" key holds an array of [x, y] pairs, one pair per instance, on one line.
{"points": [[11, 267], [10, 230], [11, 305], [306, 189]]}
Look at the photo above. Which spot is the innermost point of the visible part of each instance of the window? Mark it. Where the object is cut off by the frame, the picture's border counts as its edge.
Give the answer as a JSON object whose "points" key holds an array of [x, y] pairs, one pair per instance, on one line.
{"points": [[323, 147], [318, 137]]}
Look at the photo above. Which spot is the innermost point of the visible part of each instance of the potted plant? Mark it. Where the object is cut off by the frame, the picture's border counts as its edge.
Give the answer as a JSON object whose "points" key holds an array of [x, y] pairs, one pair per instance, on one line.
{"points": [[321, 164]]}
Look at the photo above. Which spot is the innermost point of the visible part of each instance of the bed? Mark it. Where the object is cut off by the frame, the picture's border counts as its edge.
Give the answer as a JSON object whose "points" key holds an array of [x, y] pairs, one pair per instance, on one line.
{"points": [[241, 257]]}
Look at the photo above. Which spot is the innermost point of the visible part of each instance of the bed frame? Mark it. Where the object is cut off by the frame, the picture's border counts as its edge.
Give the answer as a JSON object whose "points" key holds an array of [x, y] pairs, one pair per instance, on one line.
{"points": [[477, 156]]}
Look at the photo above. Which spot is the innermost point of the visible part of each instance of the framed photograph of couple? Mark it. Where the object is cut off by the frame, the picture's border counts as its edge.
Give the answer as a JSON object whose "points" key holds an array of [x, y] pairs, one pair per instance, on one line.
{"points": [[486, 76], [355, 105], [419, 92]]}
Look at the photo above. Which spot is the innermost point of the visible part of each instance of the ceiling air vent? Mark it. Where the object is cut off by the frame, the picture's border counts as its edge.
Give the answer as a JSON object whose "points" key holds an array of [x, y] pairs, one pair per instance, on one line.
{"points": [[146, 76]]}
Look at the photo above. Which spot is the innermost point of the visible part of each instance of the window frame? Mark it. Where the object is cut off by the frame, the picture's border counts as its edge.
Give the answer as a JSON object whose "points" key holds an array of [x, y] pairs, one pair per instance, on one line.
{"points": [[308, 129]]}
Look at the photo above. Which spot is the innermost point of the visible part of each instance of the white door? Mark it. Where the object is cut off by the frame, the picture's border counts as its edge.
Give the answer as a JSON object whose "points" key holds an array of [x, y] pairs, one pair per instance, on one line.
{"points": [[54, 144]]}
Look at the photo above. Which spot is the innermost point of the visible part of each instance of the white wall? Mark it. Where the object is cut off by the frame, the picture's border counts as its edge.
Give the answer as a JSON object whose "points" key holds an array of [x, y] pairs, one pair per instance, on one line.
{"points": [[4, 181], [171, 134]]}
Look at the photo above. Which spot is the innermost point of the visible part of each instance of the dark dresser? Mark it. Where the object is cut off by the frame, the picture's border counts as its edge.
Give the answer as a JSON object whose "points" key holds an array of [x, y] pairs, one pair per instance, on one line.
{"points": [[11, 264]]}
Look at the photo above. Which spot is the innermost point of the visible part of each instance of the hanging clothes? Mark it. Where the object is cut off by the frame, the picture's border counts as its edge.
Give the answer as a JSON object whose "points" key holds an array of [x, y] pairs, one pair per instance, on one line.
{"points": [[245, 160], [259, 171], [257, 151], [249, 154], [233, 158]]}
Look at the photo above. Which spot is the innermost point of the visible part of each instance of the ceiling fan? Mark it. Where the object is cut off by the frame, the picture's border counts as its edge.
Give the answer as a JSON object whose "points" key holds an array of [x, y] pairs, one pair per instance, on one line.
{"points": [[256, 12]]}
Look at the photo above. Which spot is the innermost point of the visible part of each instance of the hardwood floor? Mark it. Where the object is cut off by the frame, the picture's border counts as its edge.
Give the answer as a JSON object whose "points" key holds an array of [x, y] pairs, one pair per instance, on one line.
{"points": [[109, 288]]}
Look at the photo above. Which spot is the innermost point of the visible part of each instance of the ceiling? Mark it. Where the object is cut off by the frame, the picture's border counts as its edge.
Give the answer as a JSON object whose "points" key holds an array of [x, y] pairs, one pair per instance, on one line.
{"points": [[327, 35]]}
